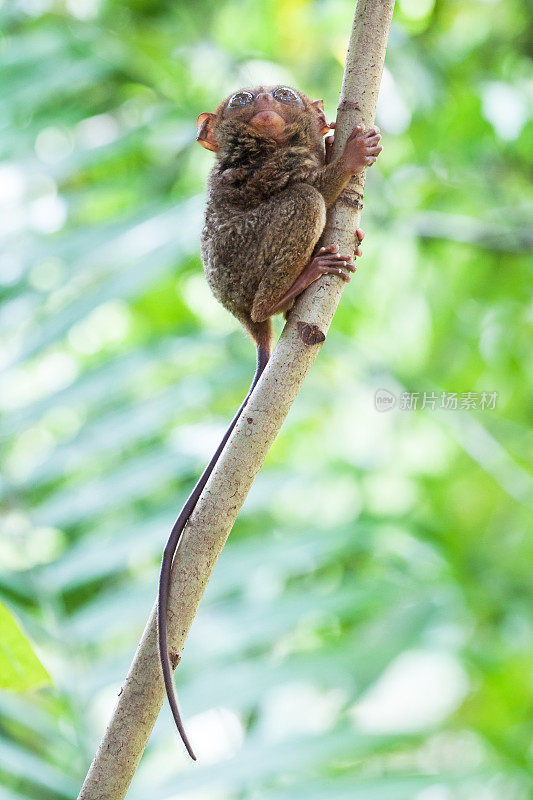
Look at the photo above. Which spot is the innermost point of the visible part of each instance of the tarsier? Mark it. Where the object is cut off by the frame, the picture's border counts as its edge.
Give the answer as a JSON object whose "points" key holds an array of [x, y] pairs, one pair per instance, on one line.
{"points": [[268, 193]]}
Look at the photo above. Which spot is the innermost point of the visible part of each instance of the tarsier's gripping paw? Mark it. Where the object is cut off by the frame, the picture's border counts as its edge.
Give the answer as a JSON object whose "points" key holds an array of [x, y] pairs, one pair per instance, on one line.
{"points": [[362, 148], [328, 260]]}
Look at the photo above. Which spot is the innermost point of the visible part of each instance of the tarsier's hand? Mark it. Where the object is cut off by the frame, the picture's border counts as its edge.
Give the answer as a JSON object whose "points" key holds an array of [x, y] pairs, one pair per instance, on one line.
{"points": [[362, 148]]}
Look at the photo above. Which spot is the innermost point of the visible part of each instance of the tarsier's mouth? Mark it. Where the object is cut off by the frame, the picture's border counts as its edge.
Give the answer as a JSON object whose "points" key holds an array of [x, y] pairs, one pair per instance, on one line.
{"points": [[268, 122]]}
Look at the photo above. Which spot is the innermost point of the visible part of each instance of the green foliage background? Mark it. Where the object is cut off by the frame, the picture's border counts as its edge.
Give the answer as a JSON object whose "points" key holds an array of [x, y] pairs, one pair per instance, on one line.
{"points": [[368, 631]]}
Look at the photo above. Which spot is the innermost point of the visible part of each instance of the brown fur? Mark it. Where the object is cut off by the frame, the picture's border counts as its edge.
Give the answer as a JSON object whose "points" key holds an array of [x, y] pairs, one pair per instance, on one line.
{"points": [[266, 209]]}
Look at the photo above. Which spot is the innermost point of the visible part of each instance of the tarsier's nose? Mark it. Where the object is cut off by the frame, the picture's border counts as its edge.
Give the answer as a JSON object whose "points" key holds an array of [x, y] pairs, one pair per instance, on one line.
{"points": [[264, 100]]}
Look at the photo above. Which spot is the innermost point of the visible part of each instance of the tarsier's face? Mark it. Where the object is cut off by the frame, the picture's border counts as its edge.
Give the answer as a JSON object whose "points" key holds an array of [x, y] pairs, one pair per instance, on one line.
{"points": [[268, 110]]}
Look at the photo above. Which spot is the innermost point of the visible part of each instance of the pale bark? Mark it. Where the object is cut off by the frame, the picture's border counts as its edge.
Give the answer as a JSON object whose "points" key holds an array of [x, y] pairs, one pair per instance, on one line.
{"points": [[142, 694]]}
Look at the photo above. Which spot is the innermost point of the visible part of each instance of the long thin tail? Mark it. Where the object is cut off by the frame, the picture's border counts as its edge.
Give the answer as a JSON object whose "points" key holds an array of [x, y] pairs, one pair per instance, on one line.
{"points": [[263, 354]]}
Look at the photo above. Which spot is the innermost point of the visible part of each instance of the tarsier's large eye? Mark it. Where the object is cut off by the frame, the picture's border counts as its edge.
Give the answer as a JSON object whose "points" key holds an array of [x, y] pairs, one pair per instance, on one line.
{"points": [[285, 95], [240, 99]]}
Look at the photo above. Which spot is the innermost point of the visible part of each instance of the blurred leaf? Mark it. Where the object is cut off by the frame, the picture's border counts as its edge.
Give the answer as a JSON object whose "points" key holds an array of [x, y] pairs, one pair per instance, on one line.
{"points": [[20, 669]]}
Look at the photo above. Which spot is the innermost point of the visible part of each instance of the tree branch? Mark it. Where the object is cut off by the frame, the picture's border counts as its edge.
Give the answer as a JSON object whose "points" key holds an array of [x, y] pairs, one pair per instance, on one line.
{"points": [[142, 694]]}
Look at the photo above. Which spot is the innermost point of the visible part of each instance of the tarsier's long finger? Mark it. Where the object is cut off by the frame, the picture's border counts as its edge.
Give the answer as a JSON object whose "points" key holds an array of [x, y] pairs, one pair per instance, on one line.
{"points": [[373, 131], [356, 133], [336, 271], [330, 248], [376, 150], [373, 139], [333, 257], [346, 263], [359, 232], [369, 160], [358, 251]]}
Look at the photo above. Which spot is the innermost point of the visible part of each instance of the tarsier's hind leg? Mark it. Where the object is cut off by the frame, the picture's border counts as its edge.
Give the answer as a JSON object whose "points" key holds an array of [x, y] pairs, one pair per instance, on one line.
{"points": [[293, 222], [326, 261]]}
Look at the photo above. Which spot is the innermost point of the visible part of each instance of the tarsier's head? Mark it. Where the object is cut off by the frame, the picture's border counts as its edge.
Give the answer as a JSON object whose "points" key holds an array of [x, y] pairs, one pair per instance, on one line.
{"points": [[276, 114]]}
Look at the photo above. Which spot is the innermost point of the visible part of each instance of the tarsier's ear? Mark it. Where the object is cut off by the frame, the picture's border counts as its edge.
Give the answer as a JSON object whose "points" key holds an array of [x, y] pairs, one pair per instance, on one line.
{"points": [[322, 121], [205, 133]]}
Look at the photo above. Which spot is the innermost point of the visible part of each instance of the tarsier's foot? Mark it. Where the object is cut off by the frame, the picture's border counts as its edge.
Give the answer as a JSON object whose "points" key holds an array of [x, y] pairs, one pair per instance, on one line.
{"points": [[328, 261]]}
